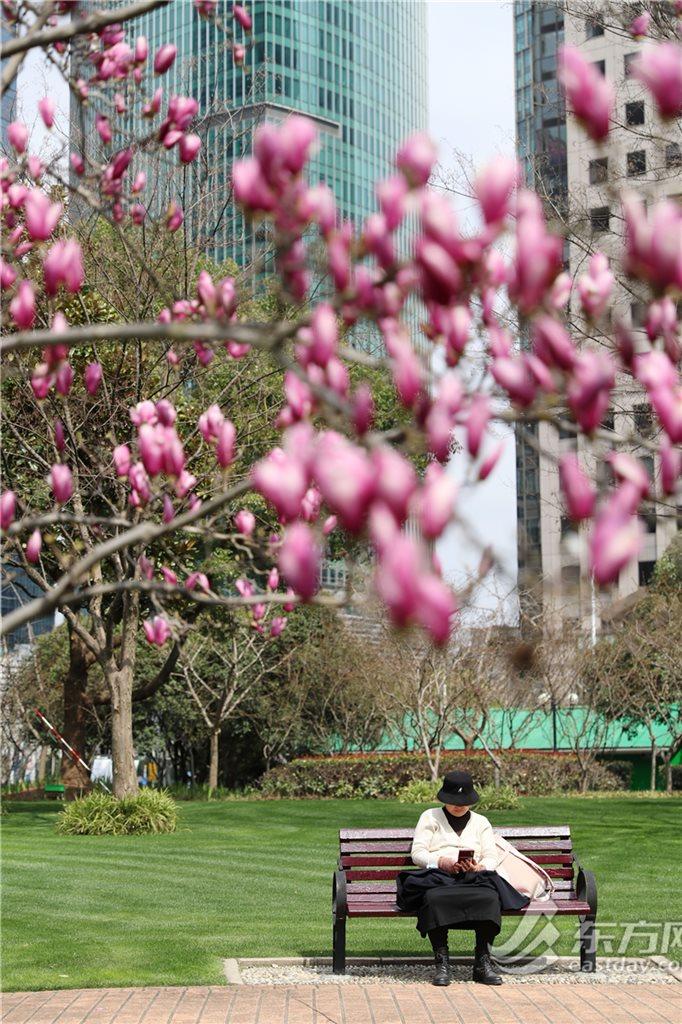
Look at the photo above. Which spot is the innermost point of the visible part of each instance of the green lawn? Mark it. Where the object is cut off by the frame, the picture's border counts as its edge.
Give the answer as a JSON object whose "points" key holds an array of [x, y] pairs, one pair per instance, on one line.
{"points": [[254, 879]]}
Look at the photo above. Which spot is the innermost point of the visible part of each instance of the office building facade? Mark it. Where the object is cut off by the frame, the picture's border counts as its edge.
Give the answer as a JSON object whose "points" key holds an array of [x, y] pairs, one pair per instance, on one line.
{"points": [[580, 181], [357, 68]]}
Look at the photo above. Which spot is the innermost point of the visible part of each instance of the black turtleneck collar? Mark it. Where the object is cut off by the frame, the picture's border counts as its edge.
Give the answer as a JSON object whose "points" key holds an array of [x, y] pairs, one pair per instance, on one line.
{"points": [[457, 823]]}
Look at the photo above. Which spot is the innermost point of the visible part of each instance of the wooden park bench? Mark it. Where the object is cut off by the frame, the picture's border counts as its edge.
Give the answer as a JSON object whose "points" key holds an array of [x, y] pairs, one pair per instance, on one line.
{"points": [[371, 858]]}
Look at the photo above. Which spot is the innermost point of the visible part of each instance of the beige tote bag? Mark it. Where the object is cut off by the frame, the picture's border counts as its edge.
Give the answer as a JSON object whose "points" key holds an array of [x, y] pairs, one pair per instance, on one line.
{"points": [[520, 871]]}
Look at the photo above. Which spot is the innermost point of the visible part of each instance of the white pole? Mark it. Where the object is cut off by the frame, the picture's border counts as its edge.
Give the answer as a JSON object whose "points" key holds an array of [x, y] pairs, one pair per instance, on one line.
{"points": [[593, 604]]}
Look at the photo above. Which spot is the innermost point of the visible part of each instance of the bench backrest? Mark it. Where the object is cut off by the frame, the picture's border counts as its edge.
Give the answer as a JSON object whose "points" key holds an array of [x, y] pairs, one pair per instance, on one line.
{"points": [[373, 855]]}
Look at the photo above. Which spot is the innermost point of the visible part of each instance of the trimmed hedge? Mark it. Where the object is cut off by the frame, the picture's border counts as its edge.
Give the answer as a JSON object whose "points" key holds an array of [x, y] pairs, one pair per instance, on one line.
{"points": [[383, 775]]}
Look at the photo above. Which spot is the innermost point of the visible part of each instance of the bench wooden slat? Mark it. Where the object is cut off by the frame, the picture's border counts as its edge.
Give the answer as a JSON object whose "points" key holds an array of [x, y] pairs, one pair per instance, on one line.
{"points": [[536, 907], [401, 859], [405, 845], [365, 874], [389, 897], [560, 884], [508, 831]]}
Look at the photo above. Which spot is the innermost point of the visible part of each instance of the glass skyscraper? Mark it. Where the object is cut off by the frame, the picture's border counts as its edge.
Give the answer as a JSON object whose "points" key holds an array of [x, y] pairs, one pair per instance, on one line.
{"points": [[356, 67], [541, 148]]}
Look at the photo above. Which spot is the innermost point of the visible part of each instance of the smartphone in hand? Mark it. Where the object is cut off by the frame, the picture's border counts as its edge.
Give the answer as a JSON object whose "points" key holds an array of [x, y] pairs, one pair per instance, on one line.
{"points": [[465, 855]]}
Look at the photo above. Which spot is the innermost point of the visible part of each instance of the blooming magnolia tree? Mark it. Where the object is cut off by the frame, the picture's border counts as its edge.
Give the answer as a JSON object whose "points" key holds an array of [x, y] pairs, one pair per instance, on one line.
{"points": [[331, 470]]}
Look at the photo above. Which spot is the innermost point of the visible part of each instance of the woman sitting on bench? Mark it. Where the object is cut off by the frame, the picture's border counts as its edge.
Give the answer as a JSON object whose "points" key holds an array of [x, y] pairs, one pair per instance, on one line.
{"points": [[452, 891]]}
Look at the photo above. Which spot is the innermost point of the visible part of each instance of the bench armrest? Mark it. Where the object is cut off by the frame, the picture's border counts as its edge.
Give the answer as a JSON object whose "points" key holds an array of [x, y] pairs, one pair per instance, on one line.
{"points": [[339, 895], [586, 886]]}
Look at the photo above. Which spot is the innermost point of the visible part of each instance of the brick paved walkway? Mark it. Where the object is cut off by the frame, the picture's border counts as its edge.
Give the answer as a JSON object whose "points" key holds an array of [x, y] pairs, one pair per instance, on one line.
{"points": [[532, 1003]]}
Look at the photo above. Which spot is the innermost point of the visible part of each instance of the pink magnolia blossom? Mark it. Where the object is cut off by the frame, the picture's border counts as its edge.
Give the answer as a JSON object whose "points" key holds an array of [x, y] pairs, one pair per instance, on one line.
{"points": [[238, 54], [589, 389], [174, 216], [34, 546], [168, 509], [244, 588], [210, 423], [671, 466], [63, 265], [490, 460], [653, 241], [667, 404], [579, 494], [8, 275], [273, 579], [226, 444], [8, 504], [282, 480], [139, 481], [77, 163], [166, 412], [189, 146], [61, 482], [616, 539], [64, 379], [396, 480], [324, 334], [299, 560], [345, 477], [391, 194], [144, 412], [22, 308], [169, 576], [42, 215], [93, 377], [141, 49], [329, 525], [630, 470], [156, 630], [436, 608], [46, 106], [639, 26], [477, 420], [277, 625], [514, 376], [59, 439], [35, 168], [250, 187], [494, 187], [363, 408], [589, 94], [552, 343], [435, 502], [660, 69], [416, 158], [661, 320], [17, 135], [538, 258], [146, 567], [241, 15], [245, 522], [103, 128], [164, 57], [595, 287], [198, 581]]}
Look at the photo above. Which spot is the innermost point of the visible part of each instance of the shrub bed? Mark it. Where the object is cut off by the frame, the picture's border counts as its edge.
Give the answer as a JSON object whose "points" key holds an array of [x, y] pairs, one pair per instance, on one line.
{"points": [[384, 775], [100, 814]]}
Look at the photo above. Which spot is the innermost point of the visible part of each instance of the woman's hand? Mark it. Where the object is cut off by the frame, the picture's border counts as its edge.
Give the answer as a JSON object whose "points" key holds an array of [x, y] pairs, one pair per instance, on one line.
{"points": [[449, 866]]}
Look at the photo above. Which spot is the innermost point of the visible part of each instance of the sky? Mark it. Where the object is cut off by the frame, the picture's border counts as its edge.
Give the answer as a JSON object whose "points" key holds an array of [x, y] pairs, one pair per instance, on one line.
{"points": [[471, 110], [471, 113]]}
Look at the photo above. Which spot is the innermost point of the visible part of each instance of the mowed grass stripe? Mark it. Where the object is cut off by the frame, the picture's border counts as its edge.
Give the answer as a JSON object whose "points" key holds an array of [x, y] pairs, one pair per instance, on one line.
{"points": [[254, 879]]}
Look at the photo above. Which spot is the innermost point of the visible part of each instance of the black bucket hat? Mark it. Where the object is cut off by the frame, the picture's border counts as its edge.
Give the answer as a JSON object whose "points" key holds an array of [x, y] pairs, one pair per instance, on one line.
{"points": [[458, 788]]}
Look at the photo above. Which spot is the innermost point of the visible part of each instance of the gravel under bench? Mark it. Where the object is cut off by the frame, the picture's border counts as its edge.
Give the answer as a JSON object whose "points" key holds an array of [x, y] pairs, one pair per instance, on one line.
{"points": [[560, 970]]}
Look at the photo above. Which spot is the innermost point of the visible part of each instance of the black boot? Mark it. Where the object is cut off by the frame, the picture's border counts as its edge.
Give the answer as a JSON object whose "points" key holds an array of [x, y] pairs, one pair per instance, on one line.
{"points": [[483, 967], [442, 975]]}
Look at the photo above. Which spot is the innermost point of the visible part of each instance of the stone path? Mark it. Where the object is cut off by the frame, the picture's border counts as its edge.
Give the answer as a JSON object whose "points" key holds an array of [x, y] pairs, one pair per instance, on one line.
{"points": [[461, 1003]]}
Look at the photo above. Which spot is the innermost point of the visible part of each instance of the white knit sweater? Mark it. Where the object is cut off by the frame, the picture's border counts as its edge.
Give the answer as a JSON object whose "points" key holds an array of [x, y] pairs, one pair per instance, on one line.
{"points": [[434, 838]]}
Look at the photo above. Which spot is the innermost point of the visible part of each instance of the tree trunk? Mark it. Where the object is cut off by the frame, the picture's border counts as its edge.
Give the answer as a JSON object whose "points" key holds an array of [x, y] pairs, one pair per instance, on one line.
{"points": [[120, 682], [42, 765], [75, 720], [669, 775], [215, 754], [652, 774]]}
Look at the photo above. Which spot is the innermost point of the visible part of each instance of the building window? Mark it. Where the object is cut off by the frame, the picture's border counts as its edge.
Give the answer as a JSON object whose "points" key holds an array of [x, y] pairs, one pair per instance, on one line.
{"points": [[600, 66], [636, 163], [599, 170], [593, 28], [646, 571], [634, 113], [627, 63], [648, 521], [673, 155], [608, 423], [600, 218], [643, 420], [566, 526], [638, 312]]}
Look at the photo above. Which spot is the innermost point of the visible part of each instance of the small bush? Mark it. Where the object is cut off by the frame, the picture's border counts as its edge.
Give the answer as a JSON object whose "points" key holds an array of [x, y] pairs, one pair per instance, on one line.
{"points": [[677, 776], [100, 814], [503, 798], [421, 791]]}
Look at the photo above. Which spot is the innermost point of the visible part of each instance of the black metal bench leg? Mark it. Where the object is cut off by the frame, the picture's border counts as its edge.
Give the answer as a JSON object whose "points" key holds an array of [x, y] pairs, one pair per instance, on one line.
{"points": [[588, 945], [339, 947]]}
